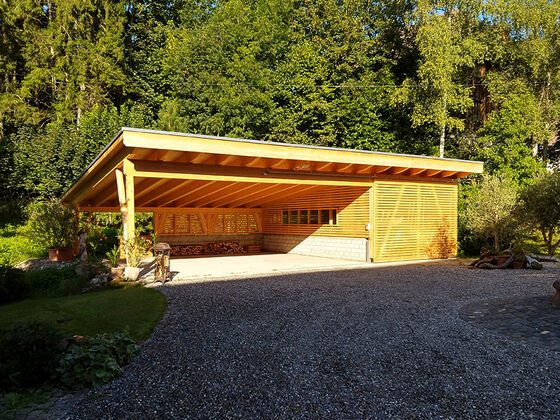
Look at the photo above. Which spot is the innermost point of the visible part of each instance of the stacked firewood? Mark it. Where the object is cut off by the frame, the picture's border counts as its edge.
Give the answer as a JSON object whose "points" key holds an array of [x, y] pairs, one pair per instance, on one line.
{"points": [[187, 250], [224, 247], [217, 248]]}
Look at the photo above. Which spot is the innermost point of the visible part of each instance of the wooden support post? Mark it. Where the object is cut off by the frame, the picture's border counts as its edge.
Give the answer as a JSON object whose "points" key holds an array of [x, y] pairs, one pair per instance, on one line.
{"points": [[122, 203], [372, 223], [130, 209]]}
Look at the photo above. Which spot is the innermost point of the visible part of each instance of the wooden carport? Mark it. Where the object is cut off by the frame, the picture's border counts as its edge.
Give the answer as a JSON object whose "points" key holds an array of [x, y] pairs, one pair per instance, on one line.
{"points": [[164, 172]]}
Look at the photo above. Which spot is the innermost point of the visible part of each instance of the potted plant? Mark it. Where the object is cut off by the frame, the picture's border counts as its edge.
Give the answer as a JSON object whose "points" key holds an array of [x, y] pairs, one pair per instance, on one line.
{"points": [[114, 256], [136, 249], [52, 225]]}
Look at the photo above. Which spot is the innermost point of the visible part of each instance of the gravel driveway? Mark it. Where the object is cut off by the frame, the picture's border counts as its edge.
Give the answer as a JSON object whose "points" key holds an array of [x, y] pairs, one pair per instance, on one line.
{"points": [[364, 343]]}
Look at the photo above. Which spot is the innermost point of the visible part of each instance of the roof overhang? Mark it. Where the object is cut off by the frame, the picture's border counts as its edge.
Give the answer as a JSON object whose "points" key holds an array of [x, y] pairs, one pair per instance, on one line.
{"points": [[169, 166]]}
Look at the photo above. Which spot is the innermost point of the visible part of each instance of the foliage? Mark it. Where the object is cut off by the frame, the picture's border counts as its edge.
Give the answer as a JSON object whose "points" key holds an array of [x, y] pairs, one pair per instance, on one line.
{"points": [[489, 213], [102, 239], [540, 209], [54, 281], [96, 360], [109, 310], [52, 224], [29, 354], [17, 246], [442, 245], [136, 249], [114, 256], [13, 284]]}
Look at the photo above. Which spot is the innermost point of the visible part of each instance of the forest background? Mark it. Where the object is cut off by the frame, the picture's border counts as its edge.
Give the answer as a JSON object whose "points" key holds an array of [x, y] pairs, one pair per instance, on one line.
{"points": [[470, 79]]}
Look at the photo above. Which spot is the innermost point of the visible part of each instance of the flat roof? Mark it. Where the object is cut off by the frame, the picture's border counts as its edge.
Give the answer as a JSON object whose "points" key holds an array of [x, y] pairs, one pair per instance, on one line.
{"points": [[183, 149]]}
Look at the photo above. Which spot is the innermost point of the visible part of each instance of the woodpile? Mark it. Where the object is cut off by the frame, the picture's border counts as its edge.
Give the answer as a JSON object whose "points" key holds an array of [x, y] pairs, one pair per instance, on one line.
{"points": [[491, 261], [216, 248]]}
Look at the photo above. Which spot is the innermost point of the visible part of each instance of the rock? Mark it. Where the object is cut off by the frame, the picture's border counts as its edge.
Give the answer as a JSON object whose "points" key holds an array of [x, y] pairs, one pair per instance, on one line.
{"points": [[556, 298], [34, 264], [101, 280]]}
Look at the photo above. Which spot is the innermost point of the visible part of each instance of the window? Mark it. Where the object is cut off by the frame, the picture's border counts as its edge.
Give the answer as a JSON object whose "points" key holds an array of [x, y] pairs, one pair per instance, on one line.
{"points": [[314, 217], [303, 217], [293, 217], [310, 217], [325, 217]]}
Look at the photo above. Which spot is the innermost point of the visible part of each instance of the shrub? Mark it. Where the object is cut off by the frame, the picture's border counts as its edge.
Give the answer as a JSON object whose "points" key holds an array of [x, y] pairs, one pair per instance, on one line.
{"points": [[13, 284], [136, 249], [29, 354], [52, 224], [96, 360], [17, 246], [53, 281], [443, 245], [102, 239]]}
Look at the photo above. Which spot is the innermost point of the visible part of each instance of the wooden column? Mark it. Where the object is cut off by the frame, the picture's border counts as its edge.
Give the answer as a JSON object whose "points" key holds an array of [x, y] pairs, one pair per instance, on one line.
{"points": [[122, 201], [129, 188], [372, 223]]}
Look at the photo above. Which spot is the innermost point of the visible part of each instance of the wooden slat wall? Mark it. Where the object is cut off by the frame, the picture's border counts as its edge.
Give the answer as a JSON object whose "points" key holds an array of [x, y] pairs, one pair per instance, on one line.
{"points": [[351, 203], [407, 217], [200, 222]]}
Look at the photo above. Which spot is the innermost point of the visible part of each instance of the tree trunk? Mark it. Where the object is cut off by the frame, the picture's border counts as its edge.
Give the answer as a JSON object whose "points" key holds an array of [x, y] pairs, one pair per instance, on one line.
{"points": [[496, 242], [442, 142]]}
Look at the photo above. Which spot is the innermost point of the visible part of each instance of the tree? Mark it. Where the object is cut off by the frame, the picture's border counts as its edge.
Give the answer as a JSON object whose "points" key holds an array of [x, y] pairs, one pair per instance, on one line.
{"points": [[437, 94], [489, 211], [332, 88], [540, 208]]}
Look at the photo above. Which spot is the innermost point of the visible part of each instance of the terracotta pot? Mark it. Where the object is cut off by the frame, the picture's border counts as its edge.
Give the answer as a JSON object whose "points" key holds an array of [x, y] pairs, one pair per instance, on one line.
{"points": [[501, 259], [518, 264], [61, 254], [132, 273], [117, 272]]}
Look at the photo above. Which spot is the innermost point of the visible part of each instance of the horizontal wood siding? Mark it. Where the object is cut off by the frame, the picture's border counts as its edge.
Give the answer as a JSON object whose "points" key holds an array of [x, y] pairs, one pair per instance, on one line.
{"points": [[352, 208], [408, 215]]}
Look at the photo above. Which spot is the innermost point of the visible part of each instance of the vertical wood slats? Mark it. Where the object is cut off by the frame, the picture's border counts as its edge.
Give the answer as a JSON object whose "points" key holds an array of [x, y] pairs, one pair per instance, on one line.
{"points": [[200, 223], [351, 204], [407, 216]]}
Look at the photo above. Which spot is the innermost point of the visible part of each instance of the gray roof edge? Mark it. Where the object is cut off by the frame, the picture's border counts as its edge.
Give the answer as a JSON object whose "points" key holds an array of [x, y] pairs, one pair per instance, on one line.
{"points": [[305, 146]]}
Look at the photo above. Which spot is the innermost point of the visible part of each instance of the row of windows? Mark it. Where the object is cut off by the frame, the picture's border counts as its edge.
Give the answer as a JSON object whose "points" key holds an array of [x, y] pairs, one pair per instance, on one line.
{"points": [[309, 217]]}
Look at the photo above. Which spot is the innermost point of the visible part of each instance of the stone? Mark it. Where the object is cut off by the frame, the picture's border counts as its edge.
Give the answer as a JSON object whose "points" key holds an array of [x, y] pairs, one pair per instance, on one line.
{"points": [[556, 298]]}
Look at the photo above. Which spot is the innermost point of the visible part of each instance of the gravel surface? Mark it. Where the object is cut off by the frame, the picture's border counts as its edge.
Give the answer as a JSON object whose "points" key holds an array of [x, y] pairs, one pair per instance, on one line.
{"points": [[365, 343]]}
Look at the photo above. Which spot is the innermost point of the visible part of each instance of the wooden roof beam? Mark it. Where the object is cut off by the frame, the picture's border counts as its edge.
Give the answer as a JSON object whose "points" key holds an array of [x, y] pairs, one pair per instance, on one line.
{"points": [[381, 169], [258, 191], [446, 174], [396, 171], [191, 196], [255, 162], [172, 170], [195, 187], [432, 172], [205, 199], [238, 193], [322, 166], [414, 172], [227, 159], [166, 188]]}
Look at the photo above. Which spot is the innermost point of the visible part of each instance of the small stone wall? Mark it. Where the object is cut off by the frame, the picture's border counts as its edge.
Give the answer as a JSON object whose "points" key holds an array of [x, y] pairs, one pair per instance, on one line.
{"points": [[243, 239], [355, 249]]}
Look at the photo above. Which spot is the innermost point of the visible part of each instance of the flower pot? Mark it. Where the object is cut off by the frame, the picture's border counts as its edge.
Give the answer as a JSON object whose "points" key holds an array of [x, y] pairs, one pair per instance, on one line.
{"points": [[132, 273], [61, 254], [501, 259], [117, 272]]}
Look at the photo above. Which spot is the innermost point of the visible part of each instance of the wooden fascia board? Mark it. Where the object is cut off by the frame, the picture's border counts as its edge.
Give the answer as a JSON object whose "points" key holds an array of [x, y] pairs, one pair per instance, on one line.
{"points": [[152, 140], [173, 170], [93, 177]]}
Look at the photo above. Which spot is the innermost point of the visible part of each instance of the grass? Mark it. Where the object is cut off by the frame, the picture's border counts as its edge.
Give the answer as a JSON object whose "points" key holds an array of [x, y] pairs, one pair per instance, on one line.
{"points": [[134, 309]]}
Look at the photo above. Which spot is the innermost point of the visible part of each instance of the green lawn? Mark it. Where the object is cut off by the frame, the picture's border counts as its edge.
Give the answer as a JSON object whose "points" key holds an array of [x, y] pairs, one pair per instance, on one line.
{"points": [[132, 308]]}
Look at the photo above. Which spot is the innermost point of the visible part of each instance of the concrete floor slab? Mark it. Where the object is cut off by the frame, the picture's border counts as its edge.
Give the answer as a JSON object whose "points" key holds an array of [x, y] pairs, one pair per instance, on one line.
{"points": [[249, 265]]}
